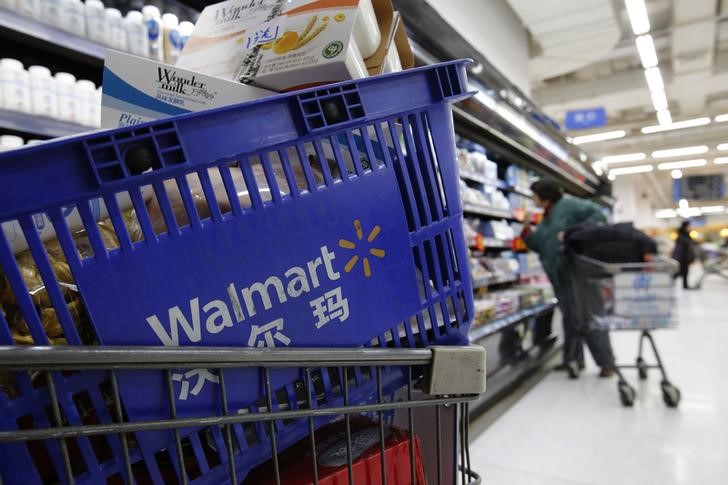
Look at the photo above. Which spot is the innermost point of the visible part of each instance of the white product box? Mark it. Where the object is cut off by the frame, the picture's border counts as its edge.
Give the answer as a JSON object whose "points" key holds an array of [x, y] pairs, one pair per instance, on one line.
{"points": [[136, 90], [282, 45]]}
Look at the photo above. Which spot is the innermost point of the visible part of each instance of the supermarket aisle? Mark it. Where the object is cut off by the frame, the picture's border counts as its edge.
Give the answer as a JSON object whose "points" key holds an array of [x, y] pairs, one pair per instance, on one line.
{"points": [[576, 432]]}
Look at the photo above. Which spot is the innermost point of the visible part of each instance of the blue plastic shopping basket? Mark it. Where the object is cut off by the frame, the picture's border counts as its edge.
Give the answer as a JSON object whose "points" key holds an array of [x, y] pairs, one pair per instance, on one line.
{"points": [[325, 217]]}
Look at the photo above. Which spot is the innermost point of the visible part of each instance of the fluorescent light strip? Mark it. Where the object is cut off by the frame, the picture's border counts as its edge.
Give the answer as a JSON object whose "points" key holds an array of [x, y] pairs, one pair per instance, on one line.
{"points": [[627, 157], [678, 125], [721, 118], [712, 209], [720, 160], [631, 170], [637, 12], [680, 152], [654, 79], [664, 118], [722, 147], [607, 135], [676, 174], [666, 213], [646, 50], [682, 164], [659, 100]]}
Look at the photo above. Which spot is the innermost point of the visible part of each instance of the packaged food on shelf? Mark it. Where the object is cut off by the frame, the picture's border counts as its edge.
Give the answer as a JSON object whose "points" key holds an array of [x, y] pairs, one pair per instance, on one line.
{"points": [[331, 456], [138, 90], [29, 8], [73, 18], [172, 44], [51, 11], [136, 33], [185, 30], [87, 96], [115, 32], [68, 97], [10, 142], [286, 47], [96, 25]]}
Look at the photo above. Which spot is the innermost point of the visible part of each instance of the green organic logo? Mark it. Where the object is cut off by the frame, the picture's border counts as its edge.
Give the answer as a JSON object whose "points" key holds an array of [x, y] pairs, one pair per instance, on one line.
{"points": [[333, 49]]}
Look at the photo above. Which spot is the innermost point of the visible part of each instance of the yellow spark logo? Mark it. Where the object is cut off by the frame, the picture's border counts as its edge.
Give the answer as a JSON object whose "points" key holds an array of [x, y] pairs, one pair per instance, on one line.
{"points": [[378, 253]]}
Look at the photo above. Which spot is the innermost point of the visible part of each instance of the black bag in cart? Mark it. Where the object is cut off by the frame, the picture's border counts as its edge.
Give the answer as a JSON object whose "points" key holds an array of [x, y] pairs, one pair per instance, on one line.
{"points": [[609, 243]]}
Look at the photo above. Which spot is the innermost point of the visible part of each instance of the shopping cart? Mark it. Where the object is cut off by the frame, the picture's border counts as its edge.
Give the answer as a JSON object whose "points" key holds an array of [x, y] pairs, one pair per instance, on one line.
{"points": [[714, 260], [629, 296], [432, 407]]}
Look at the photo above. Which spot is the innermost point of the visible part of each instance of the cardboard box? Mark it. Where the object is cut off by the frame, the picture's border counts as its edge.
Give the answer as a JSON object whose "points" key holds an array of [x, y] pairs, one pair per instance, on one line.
{"points": [[136, 90]]}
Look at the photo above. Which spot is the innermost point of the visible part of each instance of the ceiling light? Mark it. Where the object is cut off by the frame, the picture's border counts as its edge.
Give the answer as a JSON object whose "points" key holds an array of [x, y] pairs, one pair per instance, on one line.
{"points": [[646, 50], [659, 100], [682, 164], [675, 126], [683, 204], [691, 212], [477, 69], [611, 176], [721, 118], [680, 152], [676, 174], [637, 12], [607, 135], [654, 79], [722, 147], [665, 213], [597, 167], [712, 209], [664, 118], [627, 157], [720, 160], [631, 170]]}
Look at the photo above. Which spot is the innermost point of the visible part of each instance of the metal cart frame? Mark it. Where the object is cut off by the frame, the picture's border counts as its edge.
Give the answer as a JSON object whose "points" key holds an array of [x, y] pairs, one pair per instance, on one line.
{"points": [[441, 379], [594, 272]]}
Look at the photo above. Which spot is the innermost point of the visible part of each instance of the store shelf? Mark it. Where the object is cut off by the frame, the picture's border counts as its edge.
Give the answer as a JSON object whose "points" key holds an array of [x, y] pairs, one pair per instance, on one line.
{"points": [[519, 190], [508, 320], [38, 126], [487, 211], [486, 282], [50, 39], [481, 179]]}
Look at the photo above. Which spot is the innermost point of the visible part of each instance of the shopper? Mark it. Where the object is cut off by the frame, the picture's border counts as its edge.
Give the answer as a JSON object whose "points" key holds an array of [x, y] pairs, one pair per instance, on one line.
{"points": [[562, 211], [684, 252]]}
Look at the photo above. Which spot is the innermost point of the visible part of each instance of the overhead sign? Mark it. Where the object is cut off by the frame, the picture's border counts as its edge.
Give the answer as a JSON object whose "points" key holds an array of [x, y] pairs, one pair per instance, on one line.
{"points": [[582, 119], [699, 187]]}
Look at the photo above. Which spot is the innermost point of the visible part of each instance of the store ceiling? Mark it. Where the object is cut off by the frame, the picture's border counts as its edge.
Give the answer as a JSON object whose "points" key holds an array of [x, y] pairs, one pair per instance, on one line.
{"points": [[583, 55]]}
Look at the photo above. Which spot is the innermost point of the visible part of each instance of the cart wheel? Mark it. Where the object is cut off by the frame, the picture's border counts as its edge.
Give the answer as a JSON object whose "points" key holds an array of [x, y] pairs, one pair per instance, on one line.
{"points": [[670, 394], [572, 368], [626, 394], [641, 368]]}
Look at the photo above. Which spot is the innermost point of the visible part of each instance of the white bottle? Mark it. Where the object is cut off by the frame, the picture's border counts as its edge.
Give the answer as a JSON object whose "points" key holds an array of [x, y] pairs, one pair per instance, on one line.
{"points": [[68, 102], [15, 85], [185, 30], [10, 142], [136, 33], [366, 29], [30, 8], [87, 98], [96, 21], [95, 110], [171, 38], [115, 35], [73, 18], [9, 4], [43, 92], [153, 19], [51, 11]]}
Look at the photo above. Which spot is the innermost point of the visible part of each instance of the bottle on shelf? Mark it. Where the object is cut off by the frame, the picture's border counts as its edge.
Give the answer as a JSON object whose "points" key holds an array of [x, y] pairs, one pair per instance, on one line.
{"points": [[73, 18], [136, 33], [68, 102], [15, 85], [185, 30], [96, 24], [44, 100], [9, 4], [87, 99], [51, 11], [115, 34], [172, 47], [10, 142], [153, 19], [30, 8]]}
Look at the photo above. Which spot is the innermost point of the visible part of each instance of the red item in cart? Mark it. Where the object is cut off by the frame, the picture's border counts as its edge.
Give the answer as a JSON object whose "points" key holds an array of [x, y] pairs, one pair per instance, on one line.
{"points": [[331, 457]]}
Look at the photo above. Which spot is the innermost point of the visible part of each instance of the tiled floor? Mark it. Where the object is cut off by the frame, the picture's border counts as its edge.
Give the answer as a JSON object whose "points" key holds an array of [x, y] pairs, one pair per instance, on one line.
{"points": [[576, 432]]}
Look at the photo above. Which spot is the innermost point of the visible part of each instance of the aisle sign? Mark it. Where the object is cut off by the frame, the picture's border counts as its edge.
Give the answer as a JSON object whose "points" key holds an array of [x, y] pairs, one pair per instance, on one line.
{"points": [[582, 119]]}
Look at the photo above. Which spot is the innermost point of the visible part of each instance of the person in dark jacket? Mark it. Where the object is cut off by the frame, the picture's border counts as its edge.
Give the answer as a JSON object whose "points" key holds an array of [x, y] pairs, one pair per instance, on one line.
{"points": [[560, 212], [684, 252]]}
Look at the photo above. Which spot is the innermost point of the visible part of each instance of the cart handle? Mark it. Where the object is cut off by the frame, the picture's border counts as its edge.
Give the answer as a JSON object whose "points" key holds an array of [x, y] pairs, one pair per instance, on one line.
{"points": [[659, 263]]}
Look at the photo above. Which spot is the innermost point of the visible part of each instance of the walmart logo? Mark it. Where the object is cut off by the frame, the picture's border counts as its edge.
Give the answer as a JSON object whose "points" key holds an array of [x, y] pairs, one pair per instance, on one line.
{"points": [[376, 252]]}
